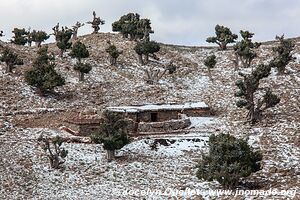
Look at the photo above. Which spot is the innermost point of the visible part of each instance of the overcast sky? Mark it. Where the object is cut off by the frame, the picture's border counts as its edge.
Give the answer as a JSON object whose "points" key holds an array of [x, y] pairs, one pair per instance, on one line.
{"points": [[186, 22]]}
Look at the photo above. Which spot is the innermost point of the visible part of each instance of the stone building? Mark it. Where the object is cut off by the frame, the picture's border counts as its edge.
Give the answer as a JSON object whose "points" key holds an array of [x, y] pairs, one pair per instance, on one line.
{"points": [[145, 119], [162, 118]]}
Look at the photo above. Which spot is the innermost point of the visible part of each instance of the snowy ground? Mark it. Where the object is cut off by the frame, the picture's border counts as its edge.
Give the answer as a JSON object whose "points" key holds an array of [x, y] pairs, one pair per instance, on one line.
{"points": [[24, 169]]}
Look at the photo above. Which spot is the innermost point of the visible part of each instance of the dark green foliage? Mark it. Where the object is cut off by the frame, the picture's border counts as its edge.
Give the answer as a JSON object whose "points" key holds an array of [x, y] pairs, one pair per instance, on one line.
{"points": [[96, 23], [1, 34], [114, 53], [43, 75], [113, 133], [62, 38], [20, 36], [247, 89], [38, 37], [55, 153], [223, 37], [132, 27], [82, 68], [245, 49], [210, 62], [146, 48], [11, 59], [79, 51], [283, 54], [228, 161]]}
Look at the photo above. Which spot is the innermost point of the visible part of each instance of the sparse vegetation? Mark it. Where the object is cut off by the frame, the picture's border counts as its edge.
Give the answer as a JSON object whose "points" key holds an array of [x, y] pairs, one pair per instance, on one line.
{"points": [[248, 89], [20, 36], [62, 38], [75, 30], [133, 28], [80, 51], [146, 49], [229, 160], [113, 52], [38, 37], [11, 59], [223, 37], [283, 54], [210, 62], [112, 134], [245, 50], [97, 21], [43, 75], [54, 150]]}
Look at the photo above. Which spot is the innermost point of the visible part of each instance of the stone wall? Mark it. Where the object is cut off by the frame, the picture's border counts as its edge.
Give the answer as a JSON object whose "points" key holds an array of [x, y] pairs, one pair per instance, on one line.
{"points": [[166, 115], [83, 127], [165, 126]]}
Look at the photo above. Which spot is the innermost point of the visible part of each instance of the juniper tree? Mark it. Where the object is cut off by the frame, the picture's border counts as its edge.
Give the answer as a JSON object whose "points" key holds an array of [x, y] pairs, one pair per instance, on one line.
{"points": [[245, 49], [283, 54], [43, 76], [11, 59], [223, 37], [229, 160], [248, 92], [54, 150], [38, 37], [112, 134], [154, 74], [96, 23], [20, 36], [75, 29], [146, 49], [210, 62], [62, 38], [113, 52], [79, 51], [132, 27]]}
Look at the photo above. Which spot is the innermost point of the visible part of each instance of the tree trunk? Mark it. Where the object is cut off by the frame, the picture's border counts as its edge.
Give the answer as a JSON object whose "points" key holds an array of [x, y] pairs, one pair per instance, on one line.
{"points": [[209, 75], [40, 92], [81, 76], [38, 44], [280, 71], [223, 46], [8, 68], [74, 36], [141, 59], [146, 58], [110, 155], [236, 62], [54, 162], [113, 61], [61, 53]]}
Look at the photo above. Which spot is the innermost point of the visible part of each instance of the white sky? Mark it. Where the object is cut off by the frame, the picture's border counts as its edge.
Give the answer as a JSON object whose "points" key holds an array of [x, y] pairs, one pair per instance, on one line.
{"points": [[186, 22]]}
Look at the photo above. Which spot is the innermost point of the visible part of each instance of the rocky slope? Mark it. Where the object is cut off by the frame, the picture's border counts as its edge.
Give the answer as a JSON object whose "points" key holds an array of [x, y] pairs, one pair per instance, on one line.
{"points": [[24, 115]]}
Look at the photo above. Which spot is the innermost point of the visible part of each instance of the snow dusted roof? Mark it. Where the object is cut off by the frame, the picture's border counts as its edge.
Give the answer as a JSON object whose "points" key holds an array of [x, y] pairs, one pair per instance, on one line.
{"points": [[155, 107]]}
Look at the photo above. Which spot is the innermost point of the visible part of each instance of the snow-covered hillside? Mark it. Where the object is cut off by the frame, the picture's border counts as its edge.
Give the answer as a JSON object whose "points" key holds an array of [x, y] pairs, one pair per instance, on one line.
{"points": [[25, 171]]}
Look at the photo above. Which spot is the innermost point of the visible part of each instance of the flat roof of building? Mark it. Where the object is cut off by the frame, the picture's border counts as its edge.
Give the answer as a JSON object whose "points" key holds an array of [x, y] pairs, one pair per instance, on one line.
{"points": [[157, 107]]}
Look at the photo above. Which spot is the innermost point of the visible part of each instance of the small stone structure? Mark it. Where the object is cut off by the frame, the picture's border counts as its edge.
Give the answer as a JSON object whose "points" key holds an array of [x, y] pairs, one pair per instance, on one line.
{"points": [[82, 127], [145, 119], [162, 118]]}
